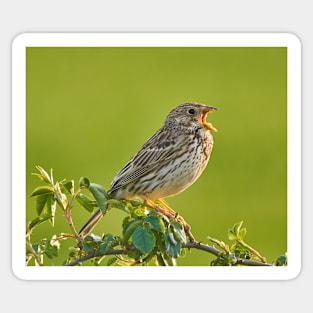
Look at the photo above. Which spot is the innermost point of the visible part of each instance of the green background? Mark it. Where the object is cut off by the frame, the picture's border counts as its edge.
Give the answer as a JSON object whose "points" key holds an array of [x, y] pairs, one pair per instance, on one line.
{"points": [[90, 109]]}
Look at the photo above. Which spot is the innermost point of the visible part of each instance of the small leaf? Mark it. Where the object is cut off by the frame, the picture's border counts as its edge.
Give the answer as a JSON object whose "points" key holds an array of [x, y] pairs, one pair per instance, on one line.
{"points": [[69, 186], [118, 205], [100, 195], [282, 260], [143, 239], [140, 212], [179, 232], [242, 233], [38, 220], [73, 252], [231, 235], [42, 190], [84, 182], [135, 203], [126, 220], [234, 232], [155, 222], [35, 247], [43, 174], [130, 228], [106, 243], [49, 248], [89, 244], [172, 247], [85, 202], [50, 208], [112, 261], [41, 201], [237, 228]]}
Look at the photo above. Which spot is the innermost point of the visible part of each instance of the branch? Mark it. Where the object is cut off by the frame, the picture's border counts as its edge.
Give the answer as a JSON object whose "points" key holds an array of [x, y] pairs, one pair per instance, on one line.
{"points": [[188, 245], [216, 252]]}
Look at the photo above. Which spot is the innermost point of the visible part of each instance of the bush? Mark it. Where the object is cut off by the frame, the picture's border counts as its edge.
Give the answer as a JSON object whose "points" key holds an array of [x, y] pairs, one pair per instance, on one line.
{"points": [[148, 237]]}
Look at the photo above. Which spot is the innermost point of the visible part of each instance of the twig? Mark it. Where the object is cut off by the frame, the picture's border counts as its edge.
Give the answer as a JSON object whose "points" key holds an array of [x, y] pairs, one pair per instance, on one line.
{"points": [[94, 254], [30, 247], [252, 250], [216, 252]]}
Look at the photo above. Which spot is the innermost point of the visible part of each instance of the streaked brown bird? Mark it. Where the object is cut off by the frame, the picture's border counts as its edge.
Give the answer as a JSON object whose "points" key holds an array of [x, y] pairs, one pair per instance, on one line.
{"points": [[168, 162]]}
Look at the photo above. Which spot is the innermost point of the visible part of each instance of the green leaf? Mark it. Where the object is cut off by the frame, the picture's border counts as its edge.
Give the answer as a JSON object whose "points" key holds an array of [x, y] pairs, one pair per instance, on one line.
{"points": [[44, 175], [135, 203], [237, 228], [282, 260], [89, 244], [51, 208], [85, 202], [234, 232], [38, 220], [42, 190], [143, 239], [179, 232], [172, 246], [126, 220], [242, 233], [155, 223], [160, 242], [73, 252], [112, 261], [106, 243], [237, 232], [129, 229], [50, 247], [41, 201], [231, 235], [84, 182], [118, 205], [140, 212], [100, 195], [69, 186]]}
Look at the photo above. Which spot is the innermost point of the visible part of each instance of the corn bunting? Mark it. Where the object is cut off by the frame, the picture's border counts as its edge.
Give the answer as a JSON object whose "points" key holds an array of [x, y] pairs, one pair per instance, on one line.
{"points": [[168, 162]]}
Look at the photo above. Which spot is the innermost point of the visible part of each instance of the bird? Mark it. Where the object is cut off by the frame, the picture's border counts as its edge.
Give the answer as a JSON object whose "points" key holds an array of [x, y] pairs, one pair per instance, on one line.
{"points": [[170, 161]]}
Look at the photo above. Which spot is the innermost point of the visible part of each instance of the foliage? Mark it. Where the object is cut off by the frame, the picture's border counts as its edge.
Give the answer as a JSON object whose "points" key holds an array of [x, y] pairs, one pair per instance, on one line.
{"points": [[148, 237]]}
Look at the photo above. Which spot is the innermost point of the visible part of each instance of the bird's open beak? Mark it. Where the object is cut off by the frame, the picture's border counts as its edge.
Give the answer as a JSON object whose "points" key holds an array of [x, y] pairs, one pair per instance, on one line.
{"points": [[210, 109], [208, 126]]}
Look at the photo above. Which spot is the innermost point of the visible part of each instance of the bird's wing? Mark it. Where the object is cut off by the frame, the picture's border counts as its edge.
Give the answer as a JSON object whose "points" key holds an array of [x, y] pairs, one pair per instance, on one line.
{"points": [[156, 150]]}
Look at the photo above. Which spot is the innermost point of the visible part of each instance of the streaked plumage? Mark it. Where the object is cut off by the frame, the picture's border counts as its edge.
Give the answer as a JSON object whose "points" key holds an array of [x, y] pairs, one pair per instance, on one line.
{"points": [[168, 162]]}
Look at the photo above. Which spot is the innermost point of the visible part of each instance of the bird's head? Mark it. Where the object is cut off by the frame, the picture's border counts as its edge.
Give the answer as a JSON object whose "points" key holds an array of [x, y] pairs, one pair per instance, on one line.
{"points": [[190, 115]]}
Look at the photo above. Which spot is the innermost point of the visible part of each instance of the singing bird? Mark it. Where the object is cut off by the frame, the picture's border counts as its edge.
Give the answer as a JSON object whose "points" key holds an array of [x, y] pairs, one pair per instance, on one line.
{"points": [[168, 162]]}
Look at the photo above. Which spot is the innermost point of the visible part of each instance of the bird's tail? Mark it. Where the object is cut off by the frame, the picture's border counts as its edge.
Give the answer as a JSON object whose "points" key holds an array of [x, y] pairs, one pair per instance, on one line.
{"points": [[91, 223]]}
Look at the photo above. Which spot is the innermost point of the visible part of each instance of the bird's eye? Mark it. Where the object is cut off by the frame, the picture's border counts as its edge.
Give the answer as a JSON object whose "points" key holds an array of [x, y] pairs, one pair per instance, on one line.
{"points": [[191, 111]]}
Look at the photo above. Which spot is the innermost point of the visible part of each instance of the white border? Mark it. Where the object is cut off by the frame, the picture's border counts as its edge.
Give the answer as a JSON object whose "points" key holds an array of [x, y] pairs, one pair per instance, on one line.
{"points": [[148, 40]]}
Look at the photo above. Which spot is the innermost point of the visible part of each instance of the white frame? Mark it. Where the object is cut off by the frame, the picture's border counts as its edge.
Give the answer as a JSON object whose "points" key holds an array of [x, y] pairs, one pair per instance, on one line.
{"points": [[147, 40]]}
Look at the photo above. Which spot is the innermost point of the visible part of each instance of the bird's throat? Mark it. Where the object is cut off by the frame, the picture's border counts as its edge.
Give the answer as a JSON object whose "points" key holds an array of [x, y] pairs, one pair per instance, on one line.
{"points": [[209, 126]]}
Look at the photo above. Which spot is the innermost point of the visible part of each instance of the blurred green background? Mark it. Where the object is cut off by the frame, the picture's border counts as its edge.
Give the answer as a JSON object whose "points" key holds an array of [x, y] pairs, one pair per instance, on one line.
{"points": [[90, 109]]}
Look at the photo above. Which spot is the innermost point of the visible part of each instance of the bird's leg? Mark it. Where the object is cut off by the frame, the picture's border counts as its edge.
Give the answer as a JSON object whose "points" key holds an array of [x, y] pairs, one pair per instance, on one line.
{"points": [[166, 206], [179, 218], [169, 214]]}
